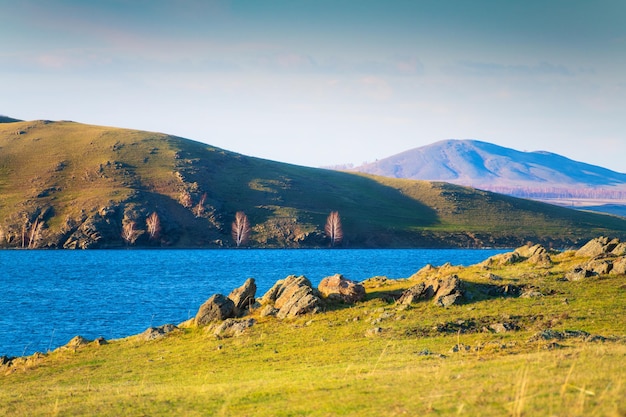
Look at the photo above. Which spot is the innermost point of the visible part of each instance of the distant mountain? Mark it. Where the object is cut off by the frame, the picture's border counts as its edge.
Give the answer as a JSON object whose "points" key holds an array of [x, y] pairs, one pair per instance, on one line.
{"points": [[539, 175], [5, 119], [70, 185]]}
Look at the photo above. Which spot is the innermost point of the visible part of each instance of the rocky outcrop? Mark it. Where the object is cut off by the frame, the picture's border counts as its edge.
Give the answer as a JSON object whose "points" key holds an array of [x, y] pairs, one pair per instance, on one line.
{"points": [[578, 274], [293, 296], [243, 297], [444, 292], [600, 245], [218, 307], [153, 333], [619, 266], [528, 251], [339, 288], [233, 328]]}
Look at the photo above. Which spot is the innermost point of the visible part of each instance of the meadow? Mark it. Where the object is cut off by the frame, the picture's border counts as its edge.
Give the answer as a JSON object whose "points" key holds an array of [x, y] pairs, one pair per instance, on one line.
{"points": [[557, 352]]}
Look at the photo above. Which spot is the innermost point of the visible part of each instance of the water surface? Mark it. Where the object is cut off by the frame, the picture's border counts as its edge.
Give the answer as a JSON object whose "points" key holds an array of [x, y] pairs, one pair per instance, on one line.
{"points": [[48, 297]]}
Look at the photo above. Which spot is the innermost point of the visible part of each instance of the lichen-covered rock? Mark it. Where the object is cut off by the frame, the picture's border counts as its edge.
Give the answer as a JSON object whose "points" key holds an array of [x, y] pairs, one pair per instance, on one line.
{"points": [[339, 288], [218, 307], [243, 297]]}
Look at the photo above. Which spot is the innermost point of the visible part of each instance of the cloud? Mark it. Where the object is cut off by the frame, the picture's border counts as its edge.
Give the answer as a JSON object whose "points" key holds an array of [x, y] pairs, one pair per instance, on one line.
{"points": [[492, 69]]}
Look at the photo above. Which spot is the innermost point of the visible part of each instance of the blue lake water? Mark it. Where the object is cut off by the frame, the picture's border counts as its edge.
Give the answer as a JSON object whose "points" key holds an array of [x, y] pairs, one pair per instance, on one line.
{"points": [[48, 297]]}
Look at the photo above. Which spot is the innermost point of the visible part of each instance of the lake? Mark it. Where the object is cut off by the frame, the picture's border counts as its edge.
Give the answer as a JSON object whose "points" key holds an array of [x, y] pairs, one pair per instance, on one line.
{"points": [[49, 296]]}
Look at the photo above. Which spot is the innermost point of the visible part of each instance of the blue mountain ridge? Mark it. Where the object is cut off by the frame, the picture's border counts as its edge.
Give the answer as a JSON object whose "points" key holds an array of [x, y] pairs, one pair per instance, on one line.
{"points": [[485, 165]]}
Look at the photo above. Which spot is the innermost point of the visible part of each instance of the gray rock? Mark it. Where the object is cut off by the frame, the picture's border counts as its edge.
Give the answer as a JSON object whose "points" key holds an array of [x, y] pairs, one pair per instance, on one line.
{"points": [[541, 259], [600, 266], [243, 297], [620, 249], [530, 251], [233, 328], [598, 246], [293, 296], [337, 287], [444, 292], [218, 307], [579, 274], [619, 266], [153, 333]]}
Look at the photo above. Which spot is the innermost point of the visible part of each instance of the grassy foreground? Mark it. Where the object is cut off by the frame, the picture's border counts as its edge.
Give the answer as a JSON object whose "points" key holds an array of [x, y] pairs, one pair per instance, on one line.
{"points": [[375, 358]]}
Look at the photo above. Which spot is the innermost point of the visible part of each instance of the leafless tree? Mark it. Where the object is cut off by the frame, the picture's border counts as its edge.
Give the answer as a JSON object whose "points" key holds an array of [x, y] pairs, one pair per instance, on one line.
{"points": [[154, 225], [333, 228], [129, 233], [241, 228], [185, 199], [198, 210], [35, 234]]}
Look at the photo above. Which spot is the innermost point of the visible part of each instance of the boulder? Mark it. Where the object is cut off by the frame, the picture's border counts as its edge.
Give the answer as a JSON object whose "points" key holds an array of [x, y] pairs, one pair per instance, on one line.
{"points": [[620, 249], [76, 342], [243, 297], [444, 292], [619, 266], [598, 246], [528, 251], [578, 274], [293, 296], [600, 266], [233, 328], [449, 291], [337, 287], [218, 307], [153, 333], [541, 259], [414, 294], [508, 258]]}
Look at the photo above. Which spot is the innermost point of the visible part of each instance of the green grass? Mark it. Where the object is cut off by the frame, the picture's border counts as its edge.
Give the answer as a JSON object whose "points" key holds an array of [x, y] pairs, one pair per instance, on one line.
{"points": [[64, 170], [327, 365]]}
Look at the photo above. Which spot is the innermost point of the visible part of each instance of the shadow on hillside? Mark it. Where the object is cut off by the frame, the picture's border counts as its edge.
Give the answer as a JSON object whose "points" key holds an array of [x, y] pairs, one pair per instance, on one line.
{"points": [[372, 213]]}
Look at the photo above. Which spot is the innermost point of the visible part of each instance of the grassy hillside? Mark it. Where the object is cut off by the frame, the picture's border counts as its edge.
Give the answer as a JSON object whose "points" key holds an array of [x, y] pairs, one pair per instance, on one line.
{"points": [[65, 184], [559, 352]]}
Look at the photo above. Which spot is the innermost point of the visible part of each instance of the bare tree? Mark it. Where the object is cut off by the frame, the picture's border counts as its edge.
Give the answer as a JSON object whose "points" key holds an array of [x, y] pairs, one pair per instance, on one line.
{"points": [[198, 210], [129, 233], [241, 228], [35, 234], [154, 225], [185, 199], [333, 228]]}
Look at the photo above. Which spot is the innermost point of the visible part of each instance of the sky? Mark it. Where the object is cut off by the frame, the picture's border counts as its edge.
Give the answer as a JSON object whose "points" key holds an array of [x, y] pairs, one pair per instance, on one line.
{"points": [[327, 82]]}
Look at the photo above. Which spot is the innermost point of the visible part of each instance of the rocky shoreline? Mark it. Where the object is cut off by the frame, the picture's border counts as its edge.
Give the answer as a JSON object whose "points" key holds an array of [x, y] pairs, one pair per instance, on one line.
{"points": [[232, 315]]}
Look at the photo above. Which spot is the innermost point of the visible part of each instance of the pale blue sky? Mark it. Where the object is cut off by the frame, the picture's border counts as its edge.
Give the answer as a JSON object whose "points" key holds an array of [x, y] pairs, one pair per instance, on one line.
{"points": [[327, 82]]}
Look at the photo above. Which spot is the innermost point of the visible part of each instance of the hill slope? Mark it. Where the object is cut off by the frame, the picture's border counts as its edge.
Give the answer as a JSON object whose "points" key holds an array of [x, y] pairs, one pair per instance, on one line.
{"points": [[65, 184], [476, 163]]}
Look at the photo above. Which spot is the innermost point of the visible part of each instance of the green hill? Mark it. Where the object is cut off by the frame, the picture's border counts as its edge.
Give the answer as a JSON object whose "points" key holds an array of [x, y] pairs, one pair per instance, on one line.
{"points": [[65, 184]]}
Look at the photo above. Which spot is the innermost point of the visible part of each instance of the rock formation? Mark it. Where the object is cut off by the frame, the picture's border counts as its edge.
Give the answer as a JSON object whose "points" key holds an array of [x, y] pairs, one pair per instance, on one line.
{"points": [[292, 296], [444, 292], [218, 307], [243, 297], [339, 288]]}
